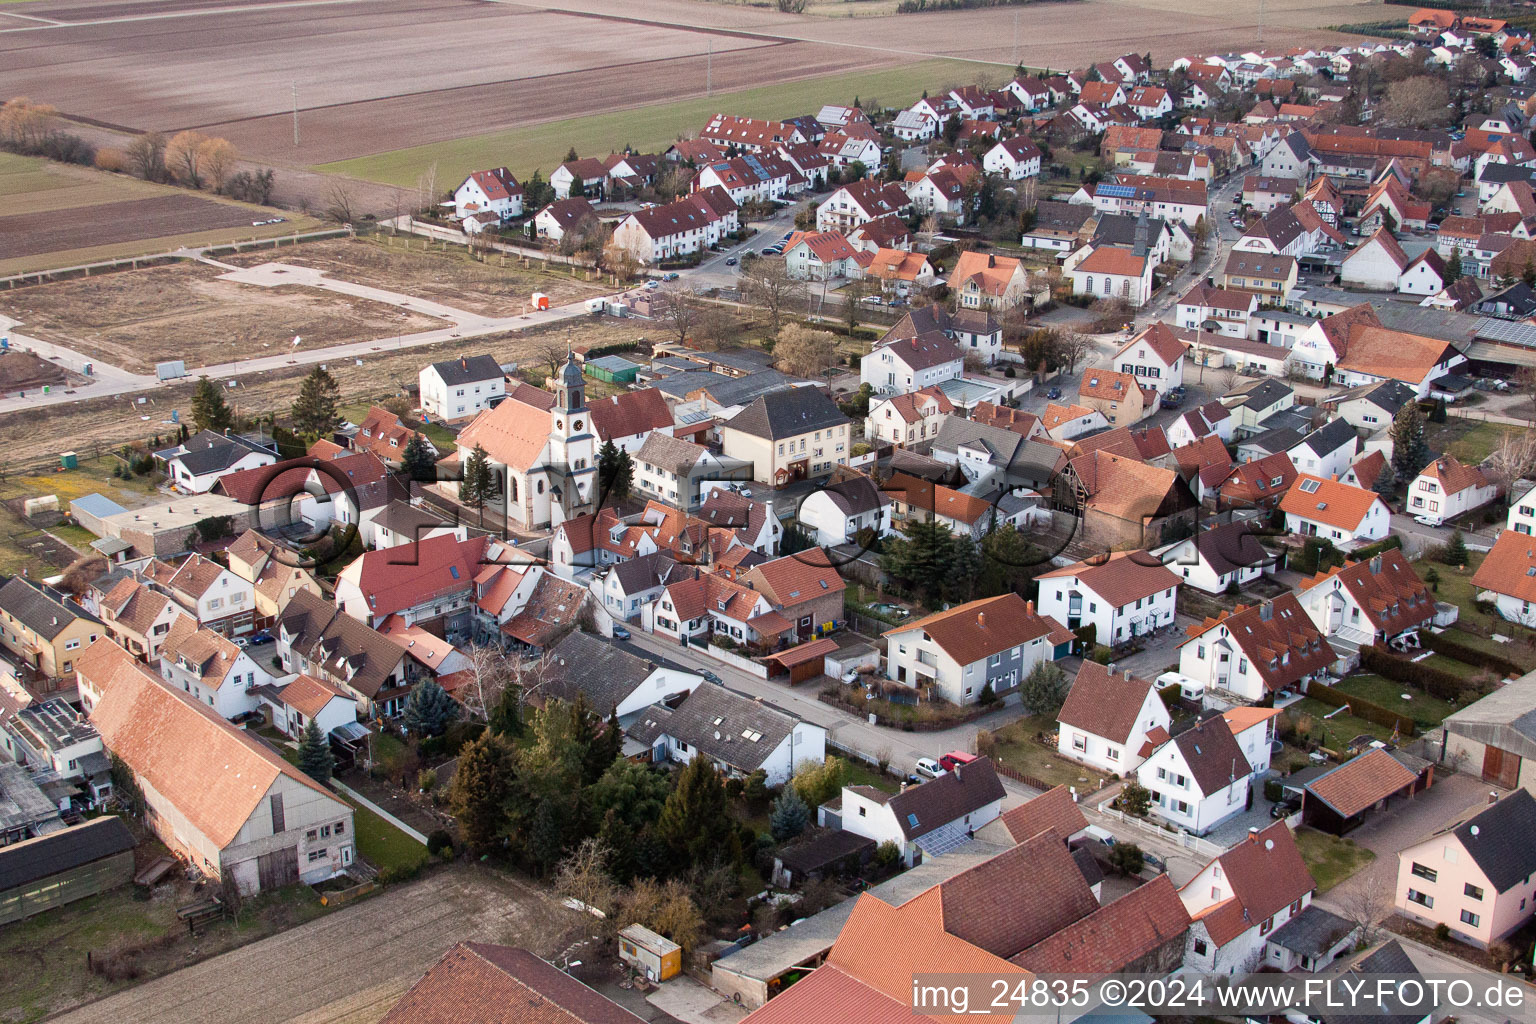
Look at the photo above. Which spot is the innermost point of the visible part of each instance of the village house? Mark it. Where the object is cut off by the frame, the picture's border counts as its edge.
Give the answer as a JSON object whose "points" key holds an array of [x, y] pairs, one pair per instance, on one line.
{"points": [[304, 699], [863, 201], [1110, 271], [901, 274], [45, 631], [1122, 596], [751, 134], [1240, 899], [820, 256], [839, 513], [1375, 264], [197, 463], [788, 435], [1069, 422], [1473, 877], [1327, 451], [215, 596], [805, 588], [52, 745], [226, 804], [988, 281], [629, 418], [1110, 720], [495, 191], [1368, 602], [1256, 651], [1344, 515], [672, 470], [1217, 558], [907, 419], [957, 654], [136, 617], [272, 571], [1015, 159], [1207, 308], [1199, 778], [924, 820], [1272, 277], [906, 365], [563, 217], [317, 638], [738, 734], [680, 228], [430, 581], [1126, 502], [1154, 357], [455, 389], [1446, 488], [616, 681], [210, 668], [584, 177], [1120, 396]]}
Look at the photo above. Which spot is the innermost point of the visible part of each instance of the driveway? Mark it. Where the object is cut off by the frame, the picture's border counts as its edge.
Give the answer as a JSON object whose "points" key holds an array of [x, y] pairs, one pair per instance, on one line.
{"points": [[1403, 825], [348, 967], [843, 729]]}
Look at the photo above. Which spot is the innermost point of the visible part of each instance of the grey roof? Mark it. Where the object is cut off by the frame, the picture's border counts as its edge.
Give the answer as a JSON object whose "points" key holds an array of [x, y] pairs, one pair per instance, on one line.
{"points": [[781, 414], [1121, 228], [823, 849], [923, 319], [1428, 321], [98, 505], [53, 725], [324, 634], [924, 467], [1088, 865], [1312, 932], [720, 723], [22, 803], [1279, 439], [724, 389], [401, 517], [605, 672], [923, 351], [1231, 546], [1297, 418], [1328, 296], [670, 453], [1259, 394], [1506, 331], [855, 495], [1330, 437], [1025, 460], [1389, 958], [468, 369], [745, 359], [39, 607], [1387, 395], [35, 859], [653, 570], [1500, 173], [1499, 839], [1505, 718], [1059, 216], [950, 797]]}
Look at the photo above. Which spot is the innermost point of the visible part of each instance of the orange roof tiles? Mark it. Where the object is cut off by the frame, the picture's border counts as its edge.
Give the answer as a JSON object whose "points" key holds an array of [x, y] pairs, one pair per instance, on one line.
{"points": [[1108, 385], [1328, 501], [1282, 643], [1054, 809], [1113, 260], [977, 629], [1510, 568], [1454, 477], [1117, 934], [1358, 783], [1120, 578], [1104, 703], [1386, 588]]}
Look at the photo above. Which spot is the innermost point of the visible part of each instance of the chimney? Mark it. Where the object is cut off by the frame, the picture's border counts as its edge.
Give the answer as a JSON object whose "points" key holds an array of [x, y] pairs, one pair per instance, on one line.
{"points": [[1493, 797], [1253, 833], [981, 620], [1029, 606], [1265, 611], [1376, 565]]}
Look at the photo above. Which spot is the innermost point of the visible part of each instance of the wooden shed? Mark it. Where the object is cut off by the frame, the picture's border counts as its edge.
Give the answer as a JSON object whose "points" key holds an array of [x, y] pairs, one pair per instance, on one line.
{"points": [[64, 866], [805, 661]]}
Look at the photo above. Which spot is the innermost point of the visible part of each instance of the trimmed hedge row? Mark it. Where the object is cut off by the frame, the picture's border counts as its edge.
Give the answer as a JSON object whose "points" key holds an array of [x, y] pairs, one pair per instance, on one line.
{"points": [[1441, 644], [1372, 550], [1361, 708], [1436, 682]]}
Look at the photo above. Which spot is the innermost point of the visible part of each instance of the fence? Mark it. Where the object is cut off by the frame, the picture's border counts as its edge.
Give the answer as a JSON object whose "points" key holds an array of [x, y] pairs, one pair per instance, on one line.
{"points": [[1204, 847], [1017, 776], [736, 660]]}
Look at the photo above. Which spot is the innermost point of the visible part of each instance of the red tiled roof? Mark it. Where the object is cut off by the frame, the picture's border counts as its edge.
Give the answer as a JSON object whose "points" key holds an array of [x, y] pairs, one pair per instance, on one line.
{"points": [[1358, 783], [1266, 873], [1117, 934], [1279, 638], [1454, 477], [1121, 577], [977, 629], [1328, 501], [1387, 589], [393, 579], [479, 983], [309, 696], [1104, 703], [1012, 901], [630, 412], [795, 579], [1054, 809], [1253, 481], [1161, 339]]}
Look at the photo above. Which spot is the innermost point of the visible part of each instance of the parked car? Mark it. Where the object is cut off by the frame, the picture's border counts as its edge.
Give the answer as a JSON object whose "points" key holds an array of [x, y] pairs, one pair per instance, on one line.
{"points": [[620, 633], [651, 286], [710, 677], [672, 276], [874, 300], [1428, 520], [1173, 399], [929, 768], [241, 642], [1053, 393], [262, 637], [731, 261], [1285, 808], [956, 758], [1102, 835]]}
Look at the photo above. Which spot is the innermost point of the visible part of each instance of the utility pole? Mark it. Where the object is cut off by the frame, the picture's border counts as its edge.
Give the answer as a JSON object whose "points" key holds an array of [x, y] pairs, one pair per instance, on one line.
{"points": [[1015, 38], [295, 115], [709, 68], [1261, 22]]}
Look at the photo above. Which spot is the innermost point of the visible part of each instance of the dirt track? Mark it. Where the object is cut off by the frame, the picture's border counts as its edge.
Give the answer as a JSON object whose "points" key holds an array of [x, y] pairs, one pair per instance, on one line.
{"points": [[348, 967]]}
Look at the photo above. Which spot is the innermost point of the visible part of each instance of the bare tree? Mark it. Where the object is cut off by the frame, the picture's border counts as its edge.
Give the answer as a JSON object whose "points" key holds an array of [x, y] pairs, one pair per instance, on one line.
{"points": [[769, 286], [1073, 348], [24, 123], [805, 352], [491, 670], [620, 261], [184, 157], [1366, 899], [218, 158], [1513, 458], [714, 328], [338, 204], [583, 876], [146, 156], [1419, 102], [682, 310], [1225, 378], [1525, 385], [927, 231], [426, 188], [554, 352]]}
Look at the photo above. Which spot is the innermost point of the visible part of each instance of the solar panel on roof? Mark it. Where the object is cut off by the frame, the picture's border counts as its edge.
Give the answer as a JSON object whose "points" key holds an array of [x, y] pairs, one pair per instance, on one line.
{"points": [[1117, 191]]}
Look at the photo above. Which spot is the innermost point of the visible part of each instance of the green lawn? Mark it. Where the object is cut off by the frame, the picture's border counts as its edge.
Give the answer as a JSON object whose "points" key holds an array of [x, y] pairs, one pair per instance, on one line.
{"points": [[648, 128], [77, 537], [1518, 653], [1329, 858], [388, 753], [1427, 711], [1471, 441], [861, 773], [1338, 730], [1456, 587], [383, 845], [1016, 748]]}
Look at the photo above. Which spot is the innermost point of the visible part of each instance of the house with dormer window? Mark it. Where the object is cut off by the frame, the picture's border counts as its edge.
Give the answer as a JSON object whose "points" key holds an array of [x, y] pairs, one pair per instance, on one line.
{"points": [[1257, 650], [1199, 778]]}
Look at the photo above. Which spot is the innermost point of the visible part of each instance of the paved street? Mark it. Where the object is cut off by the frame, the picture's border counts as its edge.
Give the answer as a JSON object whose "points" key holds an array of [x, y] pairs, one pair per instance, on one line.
{"points": [[843, 729]]}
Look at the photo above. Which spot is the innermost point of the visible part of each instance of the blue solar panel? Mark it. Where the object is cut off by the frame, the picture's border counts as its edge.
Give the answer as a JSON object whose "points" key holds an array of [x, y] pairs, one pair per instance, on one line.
{"points": [[1117, 191]]}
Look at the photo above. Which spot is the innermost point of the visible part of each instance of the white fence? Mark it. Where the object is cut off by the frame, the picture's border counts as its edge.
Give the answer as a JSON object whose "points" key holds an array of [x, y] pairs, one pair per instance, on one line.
{"points": [[735, 660], [1204, 847]]}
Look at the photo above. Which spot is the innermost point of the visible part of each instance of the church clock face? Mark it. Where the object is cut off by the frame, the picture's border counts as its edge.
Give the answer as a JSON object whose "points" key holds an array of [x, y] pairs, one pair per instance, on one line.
{"points": [[559, 425], [576, 425]]}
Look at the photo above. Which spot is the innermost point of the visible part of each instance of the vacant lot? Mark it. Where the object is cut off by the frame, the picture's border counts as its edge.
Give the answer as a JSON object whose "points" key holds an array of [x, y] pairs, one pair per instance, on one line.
{"points": [[350, 965], [135, 318], [108, 422], [1329, 858], [431, 271], [60, 216]]}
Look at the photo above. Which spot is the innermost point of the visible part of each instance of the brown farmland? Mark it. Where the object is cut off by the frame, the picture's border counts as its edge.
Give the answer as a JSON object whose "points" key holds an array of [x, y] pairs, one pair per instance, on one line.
{"points": [[29, 234]]}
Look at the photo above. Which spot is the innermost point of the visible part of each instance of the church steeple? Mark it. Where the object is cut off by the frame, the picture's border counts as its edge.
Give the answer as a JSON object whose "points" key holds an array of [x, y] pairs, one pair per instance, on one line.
{"points": [[571, 394]]}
